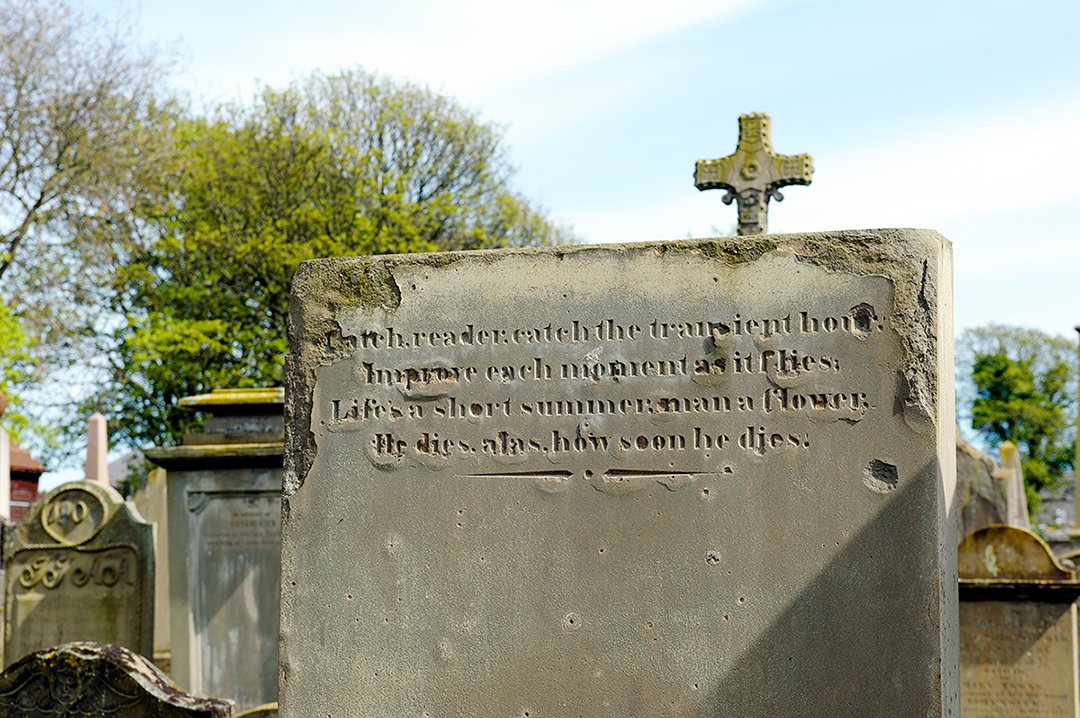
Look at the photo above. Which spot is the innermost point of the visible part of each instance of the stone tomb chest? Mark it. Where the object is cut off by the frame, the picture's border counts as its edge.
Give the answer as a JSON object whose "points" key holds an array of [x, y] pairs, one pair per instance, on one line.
{"points": [[79, 567], [1018, 627], [702, 478], [224, 515]]}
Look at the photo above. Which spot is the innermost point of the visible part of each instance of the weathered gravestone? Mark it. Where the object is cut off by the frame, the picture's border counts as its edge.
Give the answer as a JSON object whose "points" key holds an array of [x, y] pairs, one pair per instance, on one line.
{"points": [[224, 516], [93, 679], [694, 478], [1018, 628], [79, 567], [151, 500]]}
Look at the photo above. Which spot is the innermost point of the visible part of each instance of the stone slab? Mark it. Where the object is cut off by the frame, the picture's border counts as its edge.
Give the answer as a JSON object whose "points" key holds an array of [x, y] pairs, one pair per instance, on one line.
{"points": [[1018, 627], [93, 679], [79, 567], [669, 479], [152, 502], [225, 543]]}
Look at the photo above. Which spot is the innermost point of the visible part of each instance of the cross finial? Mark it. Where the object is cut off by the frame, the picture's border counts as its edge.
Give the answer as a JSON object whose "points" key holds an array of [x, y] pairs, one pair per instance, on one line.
{"points": [[753, 174]]}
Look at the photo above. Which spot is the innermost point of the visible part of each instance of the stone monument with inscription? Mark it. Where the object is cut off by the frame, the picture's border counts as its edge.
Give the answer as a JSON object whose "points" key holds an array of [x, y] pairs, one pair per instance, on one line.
{"points": [[224, 517], [1018, 627], [79, 567], [694, 478]]}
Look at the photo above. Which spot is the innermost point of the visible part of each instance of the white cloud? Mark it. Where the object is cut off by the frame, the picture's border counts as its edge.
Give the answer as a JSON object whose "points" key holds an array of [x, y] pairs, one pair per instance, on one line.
{"points": [[471, 49], [970, 166]]}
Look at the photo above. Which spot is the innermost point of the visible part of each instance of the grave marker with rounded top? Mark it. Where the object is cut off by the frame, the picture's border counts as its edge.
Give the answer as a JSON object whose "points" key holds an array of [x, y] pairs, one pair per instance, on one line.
{"points": [[79, 567]]}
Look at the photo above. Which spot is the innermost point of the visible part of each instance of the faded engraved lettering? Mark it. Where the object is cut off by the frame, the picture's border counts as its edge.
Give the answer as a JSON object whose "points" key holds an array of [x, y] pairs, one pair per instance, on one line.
{"points": [[605, 388]]}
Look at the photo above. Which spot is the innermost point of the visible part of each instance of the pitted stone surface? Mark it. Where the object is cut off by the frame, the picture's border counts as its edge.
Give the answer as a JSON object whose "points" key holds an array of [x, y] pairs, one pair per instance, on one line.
{"points": [[689, 479]]}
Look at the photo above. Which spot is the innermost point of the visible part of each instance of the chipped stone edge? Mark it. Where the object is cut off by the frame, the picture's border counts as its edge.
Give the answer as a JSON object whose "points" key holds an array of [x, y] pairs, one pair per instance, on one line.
{"points": [[910, 259]]}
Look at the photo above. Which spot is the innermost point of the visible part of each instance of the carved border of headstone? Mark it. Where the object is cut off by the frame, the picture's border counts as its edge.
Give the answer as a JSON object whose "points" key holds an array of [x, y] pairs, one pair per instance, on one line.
{"points": [[95, 679]]}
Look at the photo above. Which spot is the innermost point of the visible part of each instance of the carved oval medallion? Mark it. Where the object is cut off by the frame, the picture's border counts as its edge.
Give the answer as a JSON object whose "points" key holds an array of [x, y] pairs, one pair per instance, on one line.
{"points": [[73, 516]]}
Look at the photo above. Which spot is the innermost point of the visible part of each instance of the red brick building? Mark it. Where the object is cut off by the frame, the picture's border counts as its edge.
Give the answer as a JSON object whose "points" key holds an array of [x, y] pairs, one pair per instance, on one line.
{"points": [[25, 472]]}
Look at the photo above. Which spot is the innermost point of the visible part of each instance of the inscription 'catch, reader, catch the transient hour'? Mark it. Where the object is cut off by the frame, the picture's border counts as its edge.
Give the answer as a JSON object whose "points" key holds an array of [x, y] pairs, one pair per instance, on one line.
{"points": [[682, 394]]}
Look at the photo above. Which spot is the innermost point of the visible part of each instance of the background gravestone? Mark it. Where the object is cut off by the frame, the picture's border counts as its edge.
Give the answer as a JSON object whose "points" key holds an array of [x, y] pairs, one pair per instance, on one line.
{"points": [[224, 516], [93, 679], [1018, 627], [79, 567], [694, 478], [151, 500]]}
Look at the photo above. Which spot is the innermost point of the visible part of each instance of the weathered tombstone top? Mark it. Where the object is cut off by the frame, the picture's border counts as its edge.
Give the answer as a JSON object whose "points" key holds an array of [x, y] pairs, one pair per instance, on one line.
{"points": [[1012, 562], [753, 174], [725, 492], [94, 679], [79, 567], [245, 428]]}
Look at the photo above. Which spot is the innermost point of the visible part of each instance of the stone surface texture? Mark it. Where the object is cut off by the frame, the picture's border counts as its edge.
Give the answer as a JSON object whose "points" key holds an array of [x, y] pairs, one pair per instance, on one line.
{"points": [[94, 679], [79, 567], [1018, 627], [224, 524], [697, 478]]}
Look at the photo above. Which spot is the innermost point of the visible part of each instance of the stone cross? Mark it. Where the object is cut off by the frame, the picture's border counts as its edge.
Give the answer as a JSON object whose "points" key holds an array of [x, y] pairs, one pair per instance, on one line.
{"points": [[753, 174], [97, 449]]}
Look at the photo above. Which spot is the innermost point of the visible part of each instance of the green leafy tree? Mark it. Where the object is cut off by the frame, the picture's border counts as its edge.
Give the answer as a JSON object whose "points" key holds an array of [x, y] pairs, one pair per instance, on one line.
{"points": [[16, 369], [336, 165], [1019, 385], [79, 127]]}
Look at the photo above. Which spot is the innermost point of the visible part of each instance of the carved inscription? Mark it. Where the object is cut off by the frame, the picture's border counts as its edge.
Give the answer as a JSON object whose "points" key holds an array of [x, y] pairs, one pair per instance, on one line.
{"points": [[1016, 659], [664, 395], [107, 569], [243, 524], [66, 594], [73, 516]]}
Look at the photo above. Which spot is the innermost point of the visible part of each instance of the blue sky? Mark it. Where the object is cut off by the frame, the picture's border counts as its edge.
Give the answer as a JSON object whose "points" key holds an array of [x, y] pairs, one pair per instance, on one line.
{"points": [[960, 116]]}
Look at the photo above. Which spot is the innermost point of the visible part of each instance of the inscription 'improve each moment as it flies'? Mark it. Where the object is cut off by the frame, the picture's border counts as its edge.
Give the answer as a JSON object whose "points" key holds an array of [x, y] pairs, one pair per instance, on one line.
{"points": [[671, 395]]}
